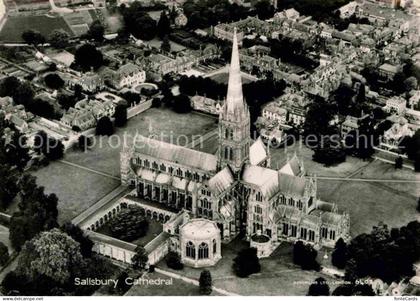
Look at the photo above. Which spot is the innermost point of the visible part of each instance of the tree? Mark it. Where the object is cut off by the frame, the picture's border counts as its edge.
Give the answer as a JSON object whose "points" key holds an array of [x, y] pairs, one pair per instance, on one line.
{"points": [[96, 31], [36, 212], [129, 224], [139, 259], [305, 256], [319, 288], [33, 37], [264, 9], [86, 244], [173, 261], [87, 57], [399, 162], [384, 254], [8, 187], [59, 39], [182, 104], [9, 86], [205, 283], [55, 149], [4, 254], [410, 84], [329, 153], [54, 81], [298, 252], [166, 45], [21, 92], [66, 101], [120, 115], [318, 122], [53, 254], [84, 142], [17, 151], [104, 127], [343, 290], [163, 25], [138, 22], [246, 263], [339, 255], [122, 285]]}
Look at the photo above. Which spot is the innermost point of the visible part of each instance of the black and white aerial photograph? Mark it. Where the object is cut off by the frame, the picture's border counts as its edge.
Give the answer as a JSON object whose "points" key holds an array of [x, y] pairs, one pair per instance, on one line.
{"points": [[219, 148]]}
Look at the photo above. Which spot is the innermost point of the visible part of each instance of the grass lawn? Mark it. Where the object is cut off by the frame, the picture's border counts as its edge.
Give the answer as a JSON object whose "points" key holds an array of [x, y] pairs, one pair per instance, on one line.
{"points": [[173, 287], [164, 123], [278, 275], [16, 25], [75, 188], [155, 228], [369, 203], [223, 78]]}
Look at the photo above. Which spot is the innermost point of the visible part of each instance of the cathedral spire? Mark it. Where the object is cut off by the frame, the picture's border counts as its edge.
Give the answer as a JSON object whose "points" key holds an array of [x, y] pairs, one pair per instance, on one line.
{"points": [[234, 120], [235, 99]]}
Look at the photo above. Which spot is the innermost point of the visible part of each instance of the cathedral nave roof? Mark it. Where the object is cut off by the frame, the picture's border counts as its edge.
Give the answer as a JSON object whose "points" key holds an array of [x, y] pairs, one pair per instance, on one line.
{"points": [[175, 153]]}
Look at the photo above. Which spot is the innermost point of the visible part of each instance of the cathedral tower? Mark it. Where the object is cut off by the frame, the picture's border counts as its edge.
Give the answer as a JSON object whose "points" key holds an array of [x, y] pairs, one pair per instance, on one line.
{"points": [[234, 120]]}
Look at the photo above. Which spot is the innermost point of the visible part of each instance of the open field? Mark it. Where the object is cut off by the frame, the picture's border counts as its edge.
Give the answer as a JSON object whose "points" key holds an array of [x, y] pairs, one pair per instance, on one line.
{"points": [[162, 122], [15, 26], [278, 275], [75, 188], [369, 203]]}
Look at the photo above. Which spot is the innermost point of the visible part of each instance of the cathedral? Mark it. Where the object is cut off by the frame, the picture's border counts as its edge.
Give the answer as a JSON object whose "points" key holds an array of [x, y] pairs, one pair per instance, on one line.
{"points": [[235, 189]]}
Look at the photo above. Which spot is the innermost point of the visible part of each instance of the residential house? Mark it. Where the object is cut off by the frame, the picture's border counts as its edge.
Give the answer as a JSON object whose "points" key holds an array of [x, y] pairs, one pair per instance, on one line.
{"points": [[91, 82], [396, 105], [127, 76]]}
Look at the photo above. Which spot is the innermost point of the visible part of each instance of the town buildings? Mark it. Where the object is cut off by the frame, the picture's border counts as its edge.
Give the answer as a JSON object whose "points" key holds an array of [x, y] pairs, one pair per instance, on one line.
{"points": [[86, 114]]}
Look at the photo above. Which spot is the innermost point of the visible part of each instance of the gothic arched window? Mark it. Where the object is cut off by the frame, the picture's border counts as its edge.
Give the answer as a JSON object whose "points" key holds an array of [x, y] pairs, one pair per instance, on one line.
{"points": [[203, 251], [146, 163], [214, 246], [190, 250]]}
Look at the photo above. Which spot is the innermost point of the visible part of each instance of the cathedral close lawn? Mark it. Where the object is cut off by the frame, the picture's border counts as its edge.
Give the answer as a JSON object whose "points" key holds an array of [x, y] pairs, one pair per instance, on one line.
{"points": [[75, 188], [162, 120]]}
